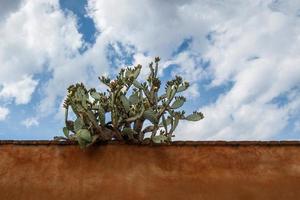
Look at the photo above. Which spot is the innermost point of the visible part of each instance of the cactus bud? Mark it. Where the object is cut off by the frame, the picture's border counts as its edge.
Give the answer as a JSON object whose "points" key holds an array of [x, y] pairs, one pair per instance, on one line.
{"points": [[157, 59]]}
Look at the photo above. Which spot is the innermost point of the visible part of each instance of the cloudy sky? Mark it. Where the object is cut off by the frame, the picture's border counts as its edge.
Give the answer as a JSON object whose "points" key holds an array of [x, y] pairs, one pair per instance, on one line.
{"points": [[240, 57]]}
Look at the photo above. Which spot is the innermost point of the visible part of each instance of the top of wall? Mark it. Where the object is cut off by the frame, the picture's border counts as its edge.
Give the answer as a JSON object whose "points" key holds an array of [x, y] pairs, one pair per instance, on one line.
{"points": [[175, 143]]}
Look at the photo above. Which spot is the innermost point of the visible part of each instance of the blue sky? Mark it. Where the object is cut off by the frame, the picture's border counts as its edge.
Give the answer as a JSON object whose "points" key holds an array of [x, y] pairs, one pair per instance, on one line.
{"points": [[240, 57]]}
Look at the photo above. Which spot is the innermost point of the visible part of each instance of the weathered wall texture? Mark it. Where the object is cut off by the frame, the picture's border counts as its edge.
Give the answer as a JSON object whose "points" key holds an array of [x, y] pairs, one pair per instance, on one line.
{"points": [[199, 171]]}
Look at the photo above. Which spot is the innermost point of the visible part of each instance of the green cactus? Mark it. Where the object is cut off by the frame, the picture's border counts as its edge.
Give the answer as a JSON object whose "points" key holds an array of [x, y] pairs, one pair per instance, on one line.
{"points": [[128, 112]]}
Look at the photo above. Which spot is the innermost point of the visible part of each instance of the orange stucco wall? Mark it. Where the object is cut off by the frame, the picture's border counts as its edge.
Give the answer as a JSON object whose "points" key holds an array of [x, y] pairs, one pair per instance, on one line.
{"points": [[180, 171]]}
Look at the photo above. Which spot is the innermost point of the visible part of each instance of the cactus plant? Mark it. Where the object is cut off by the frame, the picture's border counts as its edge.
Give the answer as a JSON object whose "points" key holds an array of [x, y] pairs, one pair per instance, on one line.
{"points": [[128, 112]]}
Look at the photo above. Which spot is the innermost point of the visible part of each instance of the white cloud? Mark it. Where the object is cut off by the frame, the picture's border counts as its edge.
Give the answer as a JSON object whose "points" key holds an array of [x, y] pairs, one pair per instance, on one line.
{"points": [[29, 122], [20, 90], [82, 68], [259, 54], [224, 120], [189, 66], [155, 27], [30, 42], [3, 113], [7, 7], [192, 91], [39, 39]]}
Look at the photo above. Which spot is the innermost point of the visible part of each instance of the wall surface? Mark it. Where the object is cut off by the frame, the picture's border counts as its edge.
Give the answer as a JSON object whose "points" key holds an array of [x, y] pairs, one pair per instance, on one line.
{"points": [[201, 170]]}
